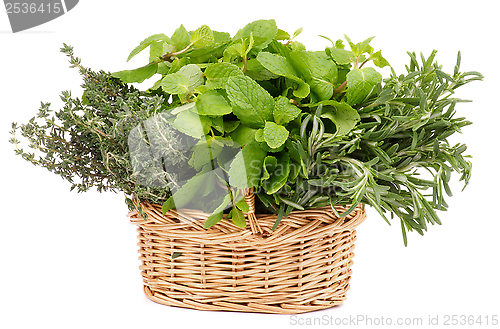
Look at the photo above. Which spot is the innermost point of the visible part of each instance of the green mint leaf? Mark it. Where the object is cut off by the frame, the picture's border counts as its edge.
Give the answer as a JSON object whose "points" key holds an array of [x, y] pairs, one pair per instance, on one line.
{"points": [[245, 169], [192, 124], [181, 38], [202, 37], [217, 74], [147, 42], [212, 103], [284, 111], [175, 83], [270, 163], [221, 37], [354, 48], [238, 217], [263, 31], [364, 46], [186, 193], [243, 135], [204, 152], [317, 69], [302, 91], [341, 114], [279, 176], [361, 47], [282, 35], [378, 60], [342, 56], [213, 219], [194, 75], [158, 49], [327, 38], [230, 126], [233, 51], [137, 75], [360, 83], [256, 71], [297, 32], [252, 104], [242, 205], [275, 135], [259, 135], [278, 65]]}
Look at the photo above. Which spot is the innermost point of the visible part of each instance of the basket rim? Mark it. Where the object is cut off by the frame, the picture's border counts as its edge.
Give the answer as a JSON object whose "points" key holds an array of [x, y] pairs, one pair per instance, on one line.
{"points": [[188, 224]]}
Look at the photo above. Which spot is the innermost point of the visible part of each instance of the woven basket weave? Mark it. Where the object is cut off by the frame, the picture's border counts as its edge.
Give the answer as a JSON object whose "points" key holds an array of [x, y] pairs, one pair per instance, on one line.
{"points": [[304, 265]]}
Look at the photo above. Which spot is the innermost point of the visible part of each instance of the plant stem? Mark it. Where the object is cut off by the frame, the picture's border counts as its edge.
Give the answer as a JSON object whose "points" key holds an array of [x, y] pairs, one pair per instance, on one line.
{"points": [[339, 88]]}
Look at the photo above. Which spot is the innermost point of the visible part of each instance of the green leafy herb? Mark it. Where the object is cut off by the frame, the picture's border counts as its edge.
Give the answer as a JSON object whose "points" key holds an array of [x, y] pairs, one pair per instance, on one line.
{"points": [[306, 129]]}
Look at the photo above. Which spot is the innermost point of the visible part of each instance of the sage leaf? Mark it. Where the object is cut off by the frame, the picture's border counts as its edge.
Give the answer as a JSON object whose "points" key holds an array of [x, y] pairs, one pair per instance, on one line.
{"points": [[341, 114], [278, 65], [317, 70]]}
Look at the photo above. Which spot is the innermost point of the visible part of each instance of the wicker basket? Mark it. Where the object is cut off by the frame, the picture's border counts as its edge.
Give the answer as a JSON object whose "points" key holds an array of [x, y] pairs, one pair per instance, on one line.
{"points": [[304, 265]]}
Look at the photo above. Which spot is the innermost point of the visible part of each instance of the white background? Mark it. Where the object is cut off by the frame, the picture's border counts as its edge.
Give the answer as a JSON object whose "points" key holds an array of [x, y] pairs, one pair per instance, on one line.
{"points": [[69, 260]]}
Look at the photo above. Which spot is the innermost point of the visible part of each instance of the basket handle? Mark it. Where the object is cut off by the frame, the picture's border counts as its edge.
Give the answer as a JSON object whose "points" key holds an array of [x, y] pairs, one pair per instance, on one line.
{"points": [[251, 218]]}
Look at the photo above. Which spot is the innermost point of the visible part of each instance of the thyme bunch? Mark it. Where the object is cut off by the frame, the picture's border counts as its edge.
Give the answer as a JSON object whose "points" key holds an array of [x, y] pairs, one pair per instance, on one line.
{"points": [[87, 141]]}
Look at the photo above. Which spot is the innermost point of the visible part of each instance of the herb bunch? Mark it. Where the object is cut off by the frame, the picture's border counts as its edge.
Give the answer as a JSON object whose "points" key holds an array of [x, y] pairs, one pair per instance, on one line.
{"points": [[86, 142], [224, 114]]}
